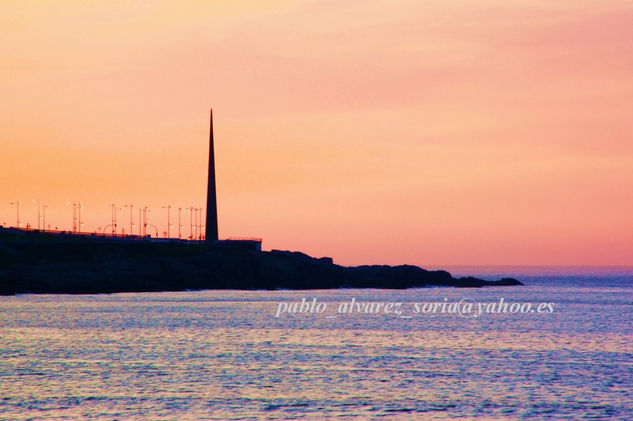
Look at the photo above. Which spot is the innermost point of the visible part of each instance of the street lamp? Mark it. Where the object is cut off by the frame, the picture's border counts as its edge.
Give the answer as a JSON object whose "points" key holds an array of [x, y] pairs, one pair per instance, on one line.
{"points": [[80, 206], [17, 205], [168, 207], [39, 217], [145, 211], [190, 222], [44, 216], [75, 223], [114, 221], [131, 219], [195, 223], [200, 224]]}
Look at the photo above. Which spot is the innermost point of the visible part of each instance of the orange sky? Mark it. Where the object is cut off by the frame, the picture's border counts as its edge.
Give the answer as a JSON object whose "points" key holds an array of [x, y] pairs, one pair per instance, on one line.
{"points": [[375, 131]]}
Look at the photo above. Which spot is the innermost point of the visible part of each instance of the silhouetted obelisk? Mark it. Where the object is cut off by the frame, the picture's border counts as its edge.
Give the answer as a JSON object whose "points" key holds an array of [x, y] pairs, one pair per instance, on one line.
{"points": [[211, 231]]}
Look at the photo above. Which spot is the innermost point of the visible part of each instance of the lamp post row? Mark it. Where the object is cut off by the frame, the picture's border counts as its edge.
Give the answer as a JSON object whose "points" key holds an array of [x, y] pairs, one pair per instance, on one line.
{"points": [[196, 228]]}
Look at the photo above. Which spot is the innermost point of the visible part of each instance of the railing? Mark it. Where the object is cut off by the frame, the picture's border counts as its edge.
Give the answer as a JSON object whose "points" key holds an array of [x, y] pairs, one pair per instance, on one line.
{"points": [[128, 236], [78, 234], [258, 240]]}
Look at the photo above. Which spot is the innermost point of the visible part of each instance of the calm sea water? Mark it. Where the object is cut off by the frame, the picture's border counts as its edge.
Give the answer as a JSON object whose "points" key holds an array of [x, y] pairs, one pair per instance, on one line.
{"points": [[224, 354]]}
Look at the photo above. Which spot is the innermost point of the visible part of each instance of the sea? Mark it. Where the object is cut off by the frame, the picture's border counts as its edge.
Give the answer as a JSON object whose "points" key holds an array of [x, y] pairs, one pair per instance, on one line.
{"points": [[559, 347]]}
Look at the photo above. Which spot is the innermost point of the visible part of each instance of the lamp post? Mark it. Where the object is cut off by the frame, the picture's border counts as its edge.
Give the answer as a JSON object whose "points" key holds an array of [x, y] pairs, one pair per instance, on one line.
{"points": [[202, 227], [79, 225], [145, 211], [17, 206], [74, 215], [114, 221], [115, 218], [131, 219], [199, 223], [112, 207], [190, 222], [44, 216], [196, 228], [39, 216], [179, 224], [195, 224], [168, 207]]}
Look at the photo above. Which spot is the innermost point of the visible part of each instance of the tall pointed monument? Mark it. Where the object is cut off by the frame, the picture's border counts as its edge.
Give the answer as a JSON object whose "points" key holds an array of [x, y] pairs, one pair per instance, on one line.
{"points": [[211, 230]]}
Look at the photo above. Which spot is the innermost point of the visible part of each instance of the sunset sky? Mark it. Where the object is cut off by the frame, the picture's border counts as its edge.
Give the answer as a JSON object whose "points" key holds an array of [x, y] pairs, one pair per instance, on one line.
{"points": [[376, 131]]}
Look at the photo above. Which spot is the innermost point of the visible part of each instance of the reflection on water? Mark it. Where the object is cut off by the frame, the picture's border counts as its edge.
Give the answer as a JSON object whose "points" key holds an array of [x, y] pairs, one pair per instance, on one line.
{"points": [[223, 355]]}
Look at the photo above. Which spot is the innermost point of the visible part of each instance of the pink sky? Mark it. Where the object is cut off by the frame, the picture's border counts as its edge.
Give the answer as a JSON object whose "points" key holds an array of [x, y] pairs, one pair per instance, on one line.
{"points": [[376, 131]]}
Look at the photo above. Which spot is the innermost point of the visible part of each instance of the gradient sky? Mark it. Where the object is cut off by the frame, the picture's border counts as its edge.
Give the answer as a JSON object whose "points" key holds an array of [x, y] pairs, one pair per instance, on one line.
{"points": [[374, 131]]}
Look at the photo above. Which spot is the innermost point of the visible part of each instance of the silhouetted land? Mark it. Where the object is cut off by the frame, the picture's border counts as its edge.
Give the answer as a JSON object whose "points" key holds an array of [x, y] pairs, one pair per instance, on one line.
{"points": [[33, 262]]}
